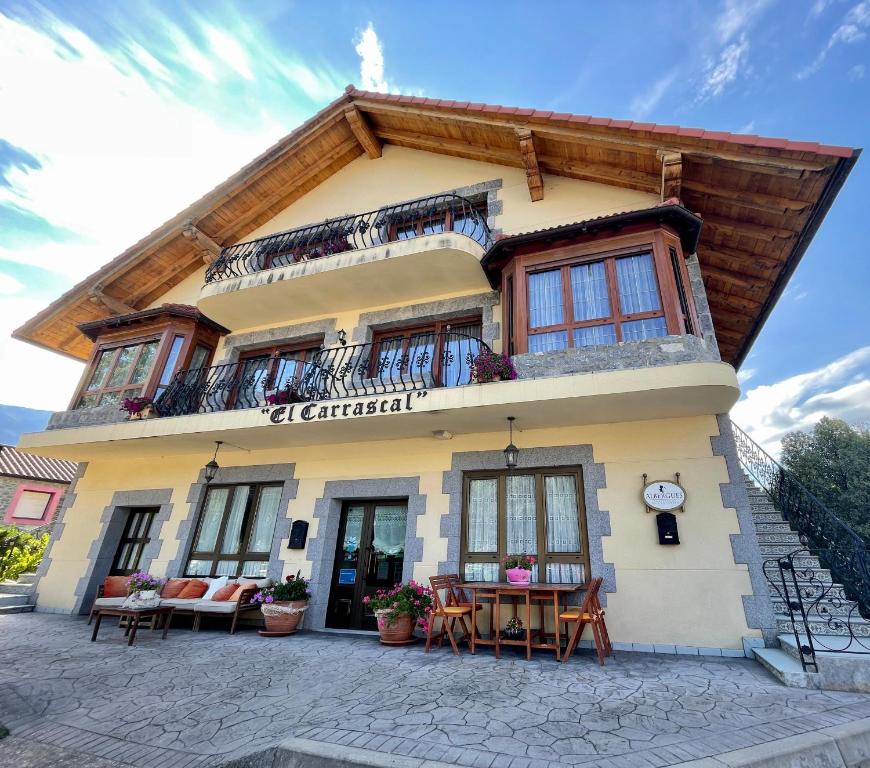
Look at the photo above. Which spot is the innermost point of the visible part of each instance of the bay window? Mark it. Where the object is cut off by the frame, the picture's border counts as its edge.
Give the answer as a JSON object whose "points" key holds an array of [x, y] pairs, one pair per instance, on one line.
{"points": [[601, 291], [138, 355], [535, 512]]}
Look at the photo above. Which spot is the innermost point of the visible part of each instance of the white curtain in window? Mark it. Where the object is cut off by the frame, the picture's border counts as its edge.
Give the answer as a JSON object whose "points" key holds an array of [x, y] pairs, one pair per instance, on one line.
{"points": [[233, 530], [637, 284], [461, 346], [545, 299], [264, 519], [650, 328], [483, 515], [548, 342], [563, 526], [522, 516], [565, 573], [211, 520], [595, 334], [481, 571], [389, 533], [589, 291]]}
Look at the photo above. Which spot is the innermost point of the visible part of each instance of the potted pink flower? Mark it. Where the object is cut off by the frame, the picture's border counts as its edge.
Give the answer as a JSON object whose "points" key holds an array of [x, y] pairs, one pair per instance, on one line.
{"points": [[138, 407], [397, 610], [519, 568], [492, 366]]}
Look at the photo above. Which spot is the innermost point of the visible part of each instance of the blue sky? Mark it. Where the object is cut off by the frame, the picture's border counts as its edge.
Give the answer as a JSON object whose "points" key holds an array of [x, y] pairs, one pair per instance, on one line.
{"points": [[114, 116]]}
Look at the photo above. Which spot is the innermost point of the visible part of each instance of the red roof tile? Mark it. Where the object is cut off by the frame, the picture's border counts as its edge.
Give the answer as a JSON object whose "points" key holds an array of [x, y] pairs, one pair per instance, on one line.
{"points": [[16, 463]]}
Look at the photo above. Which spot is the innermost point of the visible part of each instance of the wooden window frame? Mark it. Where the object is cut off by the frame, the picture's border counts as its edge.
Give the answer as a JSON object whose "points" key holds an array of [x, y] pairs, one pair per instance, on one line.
{"points": [[164, 332], [271, 353], [406, 332], [140, 541], [658, 241], [543, 556], [243, 555], [418, 221]]}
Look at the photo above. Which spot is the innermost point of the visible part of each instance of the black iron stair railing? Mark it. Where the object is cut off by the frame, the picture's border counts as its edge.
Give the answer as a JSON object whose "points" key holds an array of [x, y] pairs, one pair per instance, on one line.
{"points": [[423, 361], [427, 216], [840, 549]]}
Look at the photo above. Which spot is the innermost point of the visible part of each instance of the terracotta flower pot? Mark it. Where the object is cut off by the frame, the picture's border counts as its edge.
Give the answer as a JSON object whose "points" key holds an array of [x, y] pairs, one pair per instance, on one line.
{"points": [[400, 631], [518, 575], [283, 621]]}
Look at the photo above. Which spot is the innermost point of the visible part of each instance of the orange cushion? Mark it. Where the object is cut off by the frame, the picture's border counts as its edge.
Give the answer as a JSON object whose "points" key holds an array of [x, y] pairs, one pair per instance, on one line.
{"points": [[239, 588], [227, 593], [193, 590], [115, 586], [173, 587]]}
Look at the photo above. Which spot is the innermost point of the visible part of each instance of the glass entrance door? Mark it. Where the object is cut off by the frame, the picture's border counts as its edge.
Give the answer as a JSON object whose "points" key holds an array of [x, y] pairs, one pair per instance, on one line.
{"points": [[369, 556]]}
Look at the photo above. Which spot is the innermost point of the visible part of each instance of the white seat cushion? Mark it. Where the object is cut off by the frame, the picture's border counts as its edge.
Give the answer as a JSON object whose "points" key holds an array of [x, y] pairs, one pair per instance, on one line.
{"points": [[178, 602], [109, 602], [261, 583], [214, 606]]}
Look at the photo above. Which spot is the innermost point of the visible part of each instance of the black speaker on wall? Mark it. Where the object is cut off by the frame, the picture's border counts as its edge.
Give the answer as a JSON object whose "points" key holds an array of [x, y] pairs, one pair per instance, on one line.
{"points": [[298, 534]]}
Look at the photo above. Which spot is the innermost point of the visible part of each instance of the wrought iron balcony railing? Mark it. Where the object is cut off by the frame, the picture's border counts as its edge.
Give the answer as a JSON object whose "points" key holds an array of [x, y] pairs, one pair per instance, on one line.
{"points": [[422, 361], [427, 216]]}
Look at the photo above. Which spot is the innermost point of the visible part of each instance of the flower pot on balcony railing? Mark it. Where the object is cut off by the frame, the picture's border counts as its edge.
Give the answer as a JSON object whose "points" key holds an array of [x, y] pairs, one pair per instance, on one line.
{"points": [[279, 397], [138, 408], [490, 366]]}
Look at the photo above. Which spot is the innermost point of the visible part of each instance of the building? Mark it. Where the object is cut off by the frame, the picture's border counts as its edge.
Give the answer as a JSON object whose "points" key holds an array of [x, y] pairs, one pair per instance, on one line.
{"points": [[315, 326], [31, 487]]}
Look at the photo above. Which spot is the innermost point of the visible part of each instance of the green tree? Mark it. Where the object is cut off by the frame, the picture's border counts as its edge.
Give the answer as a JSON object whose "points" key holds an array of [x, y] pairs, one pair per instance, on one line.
{"points": [[20, 552], [833, 463]]}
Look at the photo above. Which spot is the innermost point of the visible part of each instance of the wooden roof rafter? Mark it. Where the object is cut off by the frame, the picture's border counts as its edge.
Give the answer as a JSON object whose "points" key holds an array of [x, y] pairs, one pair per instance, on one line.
{"points": [[761, 199]]}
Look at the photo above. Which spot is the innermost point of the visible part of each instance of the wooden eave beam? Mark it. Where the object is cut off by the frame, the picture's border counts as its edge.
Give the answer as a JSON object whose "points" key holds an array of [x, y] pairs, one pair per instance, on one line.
{"points": [[672, 175], [578, 169], [210, 249], [732, 278], [762, 202], [739, 257], [238, 224], [529, 155], [363, 132], [777, 165], [766, 232], [110, 303]]}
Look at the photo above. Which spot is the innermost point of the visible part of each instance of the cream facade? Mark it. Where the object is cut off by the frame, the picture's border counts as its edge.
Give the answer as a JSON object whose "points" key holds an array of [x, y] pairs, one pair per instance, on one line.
{"points": [[607, 390]]}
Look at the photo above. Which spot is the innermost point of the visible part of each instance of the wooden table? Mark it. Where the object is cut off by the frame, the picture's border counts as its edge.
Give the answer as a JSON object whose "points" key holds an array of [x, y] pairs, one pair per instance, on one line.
{"points": [[554, 592], [134, 616]]}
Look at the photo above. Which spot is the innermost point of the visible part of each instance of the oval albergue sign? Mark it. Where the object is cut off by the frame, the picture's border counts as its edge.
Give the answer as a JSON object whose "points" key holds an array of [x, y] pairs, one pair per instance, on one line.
{"points": [[664, 495]]}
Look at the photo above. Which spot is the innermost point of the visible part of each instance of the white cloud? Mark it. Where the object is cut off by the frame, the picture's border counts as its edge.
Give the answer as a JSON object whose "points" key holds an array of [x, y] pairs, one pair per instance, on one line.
{"points": [[9, 284], [857, 72], [371, 65], [731, 59], [840, 389], [745, 374], [128, 132], [643, 104], [851, 30], [747, 127]]}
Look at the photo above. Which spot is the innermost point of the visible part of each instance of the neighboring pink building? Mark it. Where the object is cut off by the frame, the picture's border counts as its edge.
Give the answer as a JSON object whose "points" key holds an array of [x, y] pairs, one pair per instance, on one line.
{"points": [[31, 487]]}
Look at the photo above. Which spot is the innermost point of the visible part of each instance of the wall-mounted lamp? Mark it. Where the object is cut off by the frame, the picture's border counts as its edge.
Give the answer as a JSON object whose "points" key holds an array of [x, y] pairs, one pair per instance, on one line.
{"points": [[212, 467], [442, 434], [511, 453], [342, 337]]}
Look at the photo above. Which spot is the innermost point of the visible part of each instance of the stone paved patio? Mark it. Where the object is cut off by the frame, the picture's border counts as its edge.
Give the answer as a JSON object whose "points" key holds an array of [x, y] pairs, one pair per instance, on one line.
{"points": [[201, 699]]}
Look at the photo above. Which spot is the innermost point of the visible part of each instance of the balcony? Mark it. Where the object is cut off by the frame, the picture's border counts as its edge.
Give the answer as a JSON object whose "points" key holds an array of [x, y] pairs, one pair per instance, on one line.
{"points": [[395, 254], [425, 361]]}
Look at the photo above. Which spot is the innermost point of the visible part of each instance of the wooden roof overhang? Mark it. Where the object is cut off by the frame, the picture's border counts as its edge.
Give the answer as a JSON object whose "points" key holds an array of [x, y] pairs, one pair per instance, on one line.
{"points": [[761, 199], [148, 317]]}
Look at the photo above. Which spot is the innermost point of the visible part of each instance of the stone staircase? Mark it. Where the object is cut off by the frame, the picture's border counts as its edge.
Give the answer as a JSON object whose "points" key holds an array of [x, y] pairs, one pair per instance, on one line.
{"points": [[18, 596], [776, 538], [837, 671]]}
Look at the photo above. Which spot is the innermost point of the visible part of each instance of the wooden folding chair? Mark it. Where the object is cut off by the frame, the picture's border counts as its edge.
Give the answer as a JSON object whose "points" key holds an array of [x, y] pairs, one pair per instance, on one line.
{"points": [[590, 612], [448, 610]]}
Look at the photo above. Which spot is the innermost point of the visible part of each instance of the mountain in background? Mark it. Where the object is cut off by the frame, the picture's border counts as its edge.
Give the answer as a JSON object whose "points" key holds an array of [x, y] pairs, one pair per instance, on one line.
{"points": [[15, 420]]}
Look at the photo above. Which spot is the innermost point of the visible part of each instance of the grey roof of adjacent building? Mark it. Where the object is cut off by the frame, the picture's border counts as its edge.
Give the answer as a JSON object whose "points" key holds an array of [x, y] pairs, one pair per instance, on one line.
{"points": [[15, 463]]}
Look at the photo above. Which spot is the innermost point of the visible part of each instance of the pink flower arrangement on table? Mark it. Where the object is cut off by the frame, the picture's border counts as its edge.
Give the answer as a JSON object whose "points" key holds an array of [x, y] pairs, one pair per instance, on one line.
{"points": [[142, 581], [412, 599], [492, 366]]}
